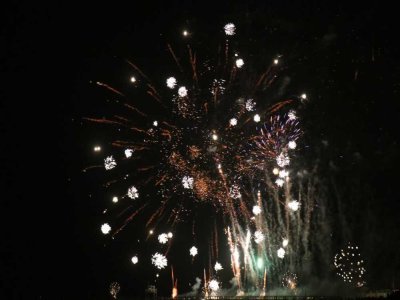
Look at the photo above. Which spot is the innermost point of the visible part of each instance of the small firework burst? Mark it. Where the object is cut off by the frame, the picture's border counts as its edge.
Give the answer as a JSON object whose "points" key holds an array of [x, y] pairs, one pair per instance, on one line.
{"points": [[193, 251], [256, 210], [230, 29], [281, 253], [128, 153], [171, 82], [109, 163], [350, 265], [133, 193], [105, 228], [163, 238], [159, 261], [289, 280], [218, 267], [258, 237], [294, 205], [134, 260], [114, 289], [250, 104], [187, 182], [234, 192]]}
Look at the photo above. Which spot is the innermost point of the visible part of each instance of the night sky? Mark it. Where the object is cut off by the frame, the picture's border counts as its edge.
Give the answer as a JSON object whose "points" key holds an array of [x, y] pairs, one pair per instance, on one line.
{"points": [[345, 57]]}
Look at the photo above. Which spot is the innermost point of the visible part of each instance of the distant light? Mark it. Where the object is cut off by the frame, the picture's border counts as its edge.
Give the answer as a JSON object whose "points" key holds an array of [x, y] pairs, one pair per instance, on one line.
{"points": [[292, 145], [128, 153], [275, 171], [170, 235], [214, 136], [217, 267], [133, 79], [157, 275], [219, 166], [257, 118], [193, 251], [285, 242], [171, 82], [256, 210], [105, 228], [276, 61], [97, 148], [303, 96], [230, 29], [239, 63], [185, 33], [182, 92], [134, 260], [115, 199], [151, 231], [155, 123], [233, 122]]}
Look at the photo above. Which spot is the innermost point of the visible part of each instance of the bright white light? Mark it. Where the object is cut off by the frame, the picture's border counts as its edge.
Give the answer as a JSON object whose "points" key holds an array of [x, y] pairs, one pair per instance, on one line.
{"points": [[109, 163], [105, 228], [219, 166], [258, 236], [292, 145], [213, 285], [234, 192], [233, 122], [193, 251], [159, 260], [133, 192], [257, 118], [275, 171], [250, 104], [217, 267], [256, 210], [151, 231], [260, 263], [303, 96], [294, 205], [283, 173], [283, 160], [170, 235], [281, 253], [115, 199], [292, 115], [185, 33], [276, 61], [239, 63], [155, 123], [171, 82], [128, 153], [182, 91], [163, 238], [285, 242], [229, 29], [97, 148], [279, 182], [133, 79], [134, 260], [214, 136], [187, 182]]}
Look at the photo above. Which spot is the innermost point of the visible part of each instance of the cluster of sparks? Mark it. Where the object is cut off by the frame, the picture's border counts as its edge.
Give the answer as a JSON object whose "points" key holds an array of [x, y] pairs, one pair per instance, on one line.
{"points": [[350, 265], [212, 146]]}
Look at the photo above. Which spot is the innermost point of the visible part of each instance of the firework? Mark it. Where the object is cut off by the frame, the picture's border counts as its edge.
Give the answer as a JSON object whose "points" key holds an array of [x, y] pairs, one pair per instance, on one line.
{"points": [[159, 261], [230, 29], [217, 267], [133, 192], [289, 280], [258, 237], [109, 163], [134, 260], [114, 289], [350, 265], [128, 153], [105, 228], [193, 251], [115, 199], [213, 285], [294, 205], [163, 238], [256, 210], [281, 253]]}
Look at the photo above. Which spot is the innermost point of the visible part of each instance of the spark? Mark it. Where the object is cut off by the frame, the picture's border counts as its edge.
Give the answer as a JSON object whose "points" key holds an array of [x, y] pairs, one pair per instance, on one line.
{"points": [[350, 266], [182, 92], [133, 79], [151, 231], [281, 253], [134, 260], [218, 267], [239, 63], [128, 153], [230, 29], [114, 289], [155, 123], [256, 210], [303, 96], [275, 171], [109, 163], [185, 33], [115, 199], [258, 236], [97, 148], [276, 61], [193, 251], [257, 118], [105, 228], [214, 136], [233, 122], [283, 160], [171, 82], [250, 104], [133, 193], [260, 263], [170, 235], [283, 173], [294, 205], [292, 115], [187, 182], [292, 145], [285, 242], [159, 260]]}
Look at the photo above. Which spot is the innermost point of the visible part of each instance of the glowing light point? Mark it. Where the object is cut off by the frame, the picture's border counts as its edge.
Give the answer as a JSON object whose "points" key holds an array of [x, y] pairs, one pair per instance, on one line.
{"points": [[214, 136], [109, 163], [155, 123], [151, 231], [187, 182], [275, 171], [279, 182], [239, 63], [250, 104], [115, 199], [256, 210], [128, 153], [257, 118], [193, 251], [217, 267], [134, 260], [159, 260], [163, 238], [133, 79], [230, 29], [170, 235], [185, 33], [133, 192], [234, 192], [276, 61], [303, 96], [285, 242], [281, 253], [258, 236], [282, 160], [97, 148], [105, 228], [182, 92], [292, 145], [171, 82], [233, 122], [294, 205], [260, 263]]}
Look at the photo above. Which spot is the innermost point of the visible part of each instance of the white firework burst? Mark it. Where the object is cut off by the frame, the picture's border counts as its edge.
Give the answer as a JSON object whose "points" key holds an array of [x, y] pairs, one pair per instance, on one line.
{"points": [[134, 260], [292, 145], [159, 260], [283, 160], [193, 251], [239, 63], [133, 193], [233, 122], [250, 104], [279, 182], [171, 82], [256, 210], [230, 29], [182, 92], [187, 182], [213, 285], [163, 238], [217, 267], [110, 163], [234, 192], [128, 153], [294, 205], [281, 253], [258, 236], [105, 228]]}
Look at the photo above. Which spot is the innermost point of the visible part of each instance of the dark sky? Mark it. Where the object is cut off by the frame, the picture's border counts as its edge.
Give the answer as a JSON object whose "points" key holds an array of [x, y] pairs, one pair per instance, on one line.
{"points": [[348, 61]]}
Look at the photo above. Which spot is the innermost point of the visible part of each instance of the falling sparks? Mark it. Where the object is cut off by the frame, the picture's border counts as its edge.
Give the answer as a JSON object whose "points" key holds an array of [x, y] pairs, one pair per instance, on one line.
{"points": [[105, 228], [289, 280], [350, 265], [163, 238], [182, 92], [171, 82], [256, 210], [193, 251], [217, 267], [230, 29], [159, 260], [133, 193], [109, 163], [258, 236], [187, 182], [239, 63], [134, 260], [281, 253], [294, 205]]}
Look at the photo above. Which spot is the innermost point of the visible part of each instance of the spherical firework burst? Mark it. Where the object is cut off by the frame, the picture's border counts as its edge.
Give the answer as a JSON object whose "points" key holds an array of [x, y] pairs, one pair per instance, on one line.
{"points": [[159, 261], [350, 265], [289, 280]]}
